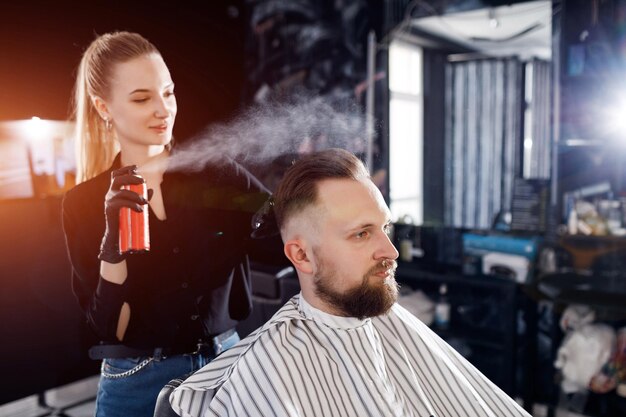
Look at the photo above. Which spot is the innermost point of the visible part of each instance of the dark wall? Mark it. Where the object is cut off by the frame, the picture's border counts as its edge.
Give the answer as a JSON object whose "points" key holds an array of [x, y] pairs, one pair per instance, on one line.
{"points": [[202, 42], [318, 48], [319, 45], [44, 335]]}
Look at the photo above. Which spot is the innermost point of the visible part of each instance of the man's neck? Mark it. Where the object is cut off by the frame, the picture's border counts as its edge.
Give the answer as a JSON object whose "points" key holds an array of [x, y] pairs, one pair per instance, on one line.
{"points": [[329, 319], [314, 301]]}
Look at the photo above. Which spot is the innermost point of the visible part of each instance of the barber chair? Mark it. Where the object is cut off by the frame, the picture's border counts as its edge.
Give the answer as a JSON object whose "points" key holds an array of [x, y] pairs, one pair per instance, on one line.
{"points": [[163, 408], [272, 287]]}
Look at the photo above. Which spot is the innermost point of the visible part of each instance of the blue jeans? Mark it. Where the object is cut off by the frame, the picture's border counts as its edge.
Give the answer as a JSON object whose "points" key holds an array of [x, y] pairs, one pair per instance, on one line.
{"points": [[129, 387]]}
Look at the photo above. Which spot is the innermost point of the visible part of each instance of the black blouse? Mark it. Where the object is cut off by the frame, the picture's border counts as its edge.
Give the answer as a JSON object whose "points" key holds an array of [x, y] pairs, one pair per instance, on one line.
{"points": [[194, 282]]}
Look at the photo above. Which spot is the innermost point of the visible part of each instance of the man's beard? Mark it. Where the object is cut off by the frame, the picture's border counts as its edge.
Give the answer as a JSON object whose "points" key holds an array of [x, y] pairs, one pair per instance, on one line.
{"points": [[366, 300]]}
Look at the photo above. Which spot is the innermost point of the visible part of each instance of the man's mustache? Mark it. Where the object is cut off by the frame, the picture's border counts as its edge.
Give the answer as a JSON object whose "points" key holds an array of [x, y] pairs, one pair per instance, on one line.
{"points": [[390, 265]]}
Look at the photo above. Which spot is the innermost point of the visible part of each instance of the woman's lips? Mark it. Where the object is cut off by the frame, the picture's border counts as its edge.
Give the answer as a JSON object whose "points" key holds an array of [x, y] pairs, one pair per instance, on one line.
{"points": [[159, 128]]}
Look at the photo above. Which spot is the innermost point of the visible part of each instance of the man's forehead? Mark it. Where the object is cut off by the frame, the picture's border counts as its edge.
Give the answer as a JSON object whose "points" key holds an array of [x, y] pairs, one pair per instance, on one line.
{"points": [[352, 201]]}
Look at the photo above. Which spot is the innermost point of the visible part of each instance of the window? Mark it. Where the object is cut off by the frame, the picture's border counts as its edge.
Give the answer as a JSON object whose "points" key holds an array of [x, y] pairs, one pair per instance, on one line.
{"points": [[406, 131]]}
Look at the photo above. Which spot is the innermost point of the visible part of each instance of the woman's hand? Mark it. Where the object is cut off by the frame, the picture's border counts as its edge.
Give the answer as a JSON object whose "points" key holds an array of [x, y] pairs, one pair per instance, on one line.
{"points": [[115, 199]]}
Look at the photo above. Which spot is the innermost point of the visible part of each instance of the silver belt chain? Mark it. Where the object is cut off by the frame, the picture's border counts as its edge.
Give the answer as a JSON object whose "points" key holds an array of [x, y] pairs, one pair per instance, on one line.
{"points": [[126, 373]]}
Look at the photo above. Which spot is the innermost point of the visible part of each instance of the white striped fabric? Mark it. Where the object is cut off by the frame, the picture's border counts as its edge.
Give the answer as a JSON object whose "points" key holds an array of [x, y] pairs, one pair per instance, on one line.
{"points": [[304, 362]]}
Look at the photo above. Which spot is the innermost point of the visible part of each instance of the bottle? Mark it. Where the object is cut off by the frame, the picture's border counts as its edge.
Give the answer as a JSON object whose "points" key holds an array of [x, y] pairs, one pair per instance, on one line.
{"points": [[614, 217], [572, 222], [442, 308], [406, 250], [134, 227]]}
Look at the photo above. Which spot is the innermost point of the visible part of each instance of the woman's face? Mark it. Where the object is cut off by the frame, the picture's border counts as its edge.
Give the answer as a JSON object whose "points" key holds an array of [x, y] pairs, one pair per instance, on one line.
{"points": [[141, 102]]}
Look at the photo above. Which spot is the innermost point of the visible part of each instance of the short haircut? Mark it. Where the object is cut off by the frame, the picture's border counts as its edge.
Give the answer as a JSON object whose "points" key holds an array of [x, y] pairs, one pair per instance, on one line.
{"points": [[298, 188]]}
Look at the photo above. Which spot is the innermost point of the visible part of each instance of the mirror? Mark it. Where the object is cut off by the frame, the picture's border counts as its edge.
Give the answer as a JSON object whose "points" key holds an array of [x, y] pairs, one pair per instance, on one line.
{"points": [[470, 111], [590, 148]]}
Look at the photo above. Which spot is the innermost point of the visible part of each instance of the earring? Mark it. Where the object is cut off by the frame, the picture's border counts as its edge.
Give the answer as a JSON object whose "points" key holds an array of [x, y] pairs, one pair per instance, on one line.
{"points": [[107, 123]]}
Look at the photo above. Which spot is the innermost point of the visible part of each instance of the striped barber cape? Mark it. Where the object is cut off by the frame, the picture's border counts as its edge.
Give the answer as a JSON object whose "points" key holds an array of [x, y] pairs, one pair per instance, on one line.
{"points": [[304, 362]]}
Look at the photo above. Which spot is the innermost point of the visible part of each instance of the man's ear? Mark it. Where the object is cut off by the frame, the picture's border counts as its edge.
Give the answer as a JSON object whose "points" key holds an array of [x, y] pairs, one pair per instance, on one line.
{"points": [[101, 107], [295, 251]]}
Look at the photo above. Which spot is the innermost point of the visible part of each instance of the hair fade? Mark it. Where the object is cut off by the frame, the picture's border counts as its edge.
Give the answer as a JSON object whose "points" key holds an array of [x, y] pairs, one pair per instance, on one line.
{"points": [[298, 188]]}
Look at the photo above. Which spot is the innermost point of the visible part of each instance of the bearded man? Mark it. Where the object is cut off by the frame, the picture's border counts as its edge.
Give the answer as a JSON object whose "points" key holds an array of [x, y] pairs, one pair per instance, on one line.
{"points": [[343, 346]]}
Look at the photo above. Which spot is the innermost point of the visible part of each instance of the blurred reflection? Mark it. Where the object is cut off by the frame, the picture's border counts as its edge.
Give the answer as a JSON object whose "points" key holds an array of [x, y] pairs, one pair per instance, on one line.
{"points": [[36, 158]]}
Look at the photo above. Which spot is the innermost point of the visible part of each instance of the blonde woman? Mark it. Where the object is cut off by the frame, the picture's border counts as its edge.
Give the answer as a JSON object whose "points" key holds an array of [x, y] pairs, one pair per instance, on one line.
{"points": [[167, 312]]}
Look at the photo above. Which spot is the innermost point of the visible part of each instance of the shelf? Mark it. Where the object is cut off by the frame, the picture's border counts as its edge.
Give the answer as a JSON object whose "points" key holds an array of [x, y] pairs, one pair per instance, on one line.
{"points": [[600, 292], [412, 272], [594, 240], [594, 252], [481, 337], [487, 327], [462, 290]]}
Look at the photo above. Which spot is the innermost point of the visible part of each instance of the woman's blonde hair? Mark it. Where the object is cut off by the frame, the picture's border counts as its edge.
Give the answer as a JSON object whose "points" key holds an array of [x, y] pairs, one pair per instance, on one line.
{"points": [[96, 146]]}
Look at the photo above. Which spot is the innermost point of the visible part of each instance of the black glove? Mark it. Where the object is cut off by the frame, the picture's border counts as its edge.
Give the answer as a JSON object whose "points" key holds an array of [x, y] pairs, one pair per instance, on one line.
{"points": [[114, 200]]}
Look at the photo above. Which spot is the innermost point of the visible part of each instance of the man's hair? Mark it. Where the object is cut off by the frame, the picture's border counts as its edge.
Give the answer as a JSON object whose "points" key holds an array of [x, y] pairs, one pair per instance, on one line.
{"points": [[298, 188]]}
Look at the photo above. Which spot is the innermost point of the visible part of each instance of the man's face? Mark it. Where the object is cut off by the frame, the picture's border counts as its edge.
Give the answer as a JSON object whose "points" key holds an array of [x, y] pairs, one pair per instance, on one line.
{"points": [[353, 257]]}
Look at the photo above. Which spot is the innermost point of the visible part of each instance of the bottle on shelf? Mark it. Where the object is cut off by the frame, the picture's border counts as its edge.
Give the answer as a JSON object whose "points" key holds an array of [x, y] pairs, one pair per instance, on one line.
{"points": [[572, 222], [442, 308], [406, 250]]}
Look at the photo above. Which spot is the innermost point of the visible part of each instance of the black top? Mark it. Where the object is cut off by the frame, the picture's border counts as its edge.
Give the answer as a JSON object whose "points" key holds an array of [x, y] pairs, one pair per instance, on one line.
{"points": [[194, 282]]}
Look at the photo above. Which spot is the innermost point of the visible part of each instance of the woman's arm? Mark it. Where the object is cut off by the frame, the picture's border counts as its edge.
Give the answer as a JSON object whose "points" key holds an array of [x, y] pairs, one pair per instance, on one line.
{"points": [[117, 274], [100, 286], [100, 299]]}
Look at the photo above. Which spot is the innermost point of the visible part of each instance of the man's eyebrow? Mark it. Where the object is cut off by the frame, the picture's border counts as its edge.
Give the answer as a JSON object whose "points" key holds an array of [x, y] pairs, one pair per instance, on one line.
{"points": [[360, 226], [369, 225]]}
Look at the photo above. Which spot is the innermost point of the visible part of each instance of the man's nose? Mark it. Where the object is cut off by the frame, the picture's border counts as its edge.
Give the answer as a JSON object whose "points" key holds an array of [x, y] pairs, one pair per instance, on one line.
{"points": [[386, 249]]}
